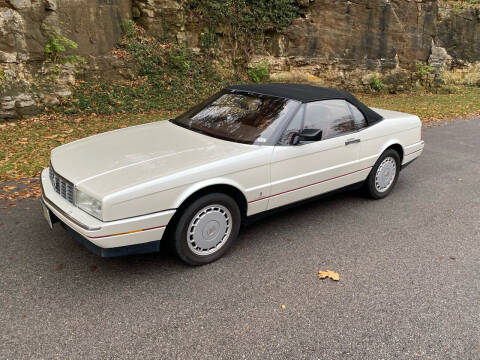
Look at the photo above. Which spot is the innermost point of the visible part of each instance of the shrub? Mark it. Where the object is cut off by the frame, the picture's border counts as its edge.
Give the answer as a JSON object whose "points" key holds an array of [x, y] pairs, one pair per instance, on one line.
{"points": [[243, 23], [167, 77], [57, 44], [423, 69], [178, 60], [376, 84], [423, 74], [129, 28], [259, 73], [208, 41]]}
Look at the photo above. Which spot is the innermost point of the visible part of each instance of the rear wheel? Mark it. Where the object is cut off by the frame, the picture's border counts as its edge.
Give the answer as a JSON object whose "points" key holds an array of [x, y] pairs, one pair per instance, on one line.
{"points": [[206, 229], [384, 175]]}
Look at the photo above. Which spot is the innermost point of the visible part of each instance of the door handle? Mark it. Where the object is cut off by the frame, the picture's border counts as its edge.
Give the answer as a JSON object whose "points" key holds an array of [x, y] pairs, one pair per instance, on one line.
{"points": [[352, 141]]}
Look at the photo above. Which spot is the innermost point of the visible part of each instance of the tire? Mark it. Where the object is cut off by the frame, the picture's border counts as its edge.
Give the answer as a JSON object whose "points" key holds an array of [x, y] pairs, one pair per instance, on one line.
{"points": [[378, 186], [206, 229]]}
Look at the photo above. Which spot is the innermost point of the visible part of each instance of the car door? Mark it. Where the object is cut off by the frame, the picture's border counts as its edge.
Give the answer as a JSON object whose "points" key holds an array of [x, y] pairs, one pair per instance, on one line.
{"points": [[315, 166]]}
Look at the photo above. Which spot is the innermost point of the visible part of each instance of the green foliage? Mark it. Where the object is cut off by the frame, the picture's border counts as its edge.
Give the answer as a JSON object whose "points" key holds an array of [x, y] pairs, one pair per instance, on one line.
{"points": [[170, 77], [167, 77], [460, 5], [208, 40], [423, 74], [259, 73], [129, 28], [423, 69], [73, 59], [376, 84], [243, 23], [179, 60], [57, 44]]}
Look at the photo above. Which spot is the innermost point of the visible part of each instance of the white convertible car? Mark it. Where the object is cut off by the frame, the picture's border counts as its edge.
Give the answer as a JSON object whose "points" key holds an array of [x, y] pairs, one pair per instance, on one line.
{"points": [[193, 180]]}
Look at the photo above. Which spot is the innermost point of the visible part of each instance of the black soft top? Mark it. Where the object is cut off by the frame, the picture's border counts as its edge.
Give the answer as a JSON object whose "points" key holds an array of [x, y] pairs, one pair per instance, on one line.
{"points": [[308, 93]]}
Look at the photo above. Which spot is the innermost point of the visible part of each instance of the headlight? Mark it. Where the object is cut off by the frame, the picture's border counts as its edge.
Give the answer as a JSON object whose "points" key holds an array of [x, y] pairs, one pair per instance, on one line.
{"points": [[89, 204]]}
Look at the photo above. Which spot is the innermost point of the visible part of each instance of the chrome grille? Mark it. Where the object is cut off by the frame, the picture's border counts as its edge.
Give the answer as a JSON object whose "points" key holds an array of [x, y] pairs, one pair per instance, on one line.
{"points": [[62, 186]]}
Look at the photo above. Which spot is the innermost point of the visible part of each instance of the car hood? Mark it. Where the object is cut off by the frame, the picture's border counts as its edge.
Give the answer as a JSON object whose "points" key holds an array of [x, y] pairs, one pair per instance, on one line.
{"points": [[118, 159]]}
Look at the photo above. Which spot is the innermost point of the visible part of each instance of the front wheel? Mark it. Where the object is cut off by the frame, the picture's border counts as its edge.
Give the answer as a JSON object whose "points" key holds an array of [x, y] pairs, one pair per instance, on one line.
{"points": [[207, 228], [384, 175]]}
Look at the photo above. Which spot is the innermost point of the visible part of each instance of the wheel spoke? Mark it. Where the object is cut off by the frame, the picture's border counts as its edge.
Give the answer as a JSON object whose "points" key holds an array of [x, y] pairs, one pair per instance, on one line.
{"points": [[209, 229], [385, 175]]}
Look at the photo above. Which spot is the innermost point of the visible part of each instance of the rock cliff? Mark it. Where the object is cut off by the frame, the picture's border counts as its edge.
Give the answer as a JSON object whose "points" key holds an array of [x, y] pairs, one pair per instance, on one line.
{"points": [[333, 42]]}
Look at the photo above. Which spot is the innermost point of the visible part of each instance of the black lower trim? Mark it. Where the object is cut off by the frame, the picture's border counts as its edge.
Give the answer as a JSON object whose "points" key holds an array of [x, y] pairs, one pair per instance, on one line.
{"points": [[145, 248], [254, 218], [408, 163]]}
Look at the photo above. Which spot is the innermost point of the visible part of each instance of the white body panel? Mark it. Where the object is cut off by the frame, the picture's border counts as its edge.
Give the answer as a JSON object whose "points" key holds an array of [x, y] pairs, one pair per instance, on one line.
{"points": [[152, 167], [144, 173], [303, 171], [105, 234], [396, 128]]}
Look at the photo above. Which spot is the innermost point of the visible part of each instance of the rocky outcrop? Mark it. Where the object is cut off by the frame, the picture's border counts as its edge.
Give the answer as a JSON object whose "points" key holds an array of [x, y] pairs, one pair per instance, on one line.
{"points": [[27, 82], [333, 42], [164, 19], [339, 43], [458, 31], [375, 34], [95, 25], [13, 46]]}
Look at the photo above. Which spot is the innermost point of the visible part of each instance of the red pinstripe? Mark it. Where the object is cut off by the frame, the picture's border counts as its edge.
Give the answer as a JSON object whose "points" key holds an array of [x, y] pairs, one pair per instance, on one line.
{"points": [[413, 152], [126, 233], [304, 186], [262, 198]]}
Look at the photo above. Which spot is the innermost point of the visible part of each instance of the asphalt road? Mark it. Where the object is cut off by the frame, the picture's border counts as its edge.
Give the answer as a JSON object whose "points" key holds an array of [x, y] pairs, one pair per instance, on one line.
{"points": [[409, 287]]}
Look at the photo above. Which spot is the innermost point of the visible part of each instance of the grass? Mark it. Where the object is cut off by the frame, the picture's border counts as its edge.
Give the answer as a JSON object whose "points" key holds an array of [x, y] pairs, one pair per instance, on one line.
{"points": [[25, 145], [462, 4], [430, 107]]}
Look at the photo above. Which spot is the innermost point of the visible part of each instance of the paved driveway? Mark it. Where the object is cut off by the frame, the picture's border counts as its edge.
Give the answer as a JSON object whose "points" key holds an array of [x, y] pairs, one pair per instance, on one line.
{"points": [[409, 288]]}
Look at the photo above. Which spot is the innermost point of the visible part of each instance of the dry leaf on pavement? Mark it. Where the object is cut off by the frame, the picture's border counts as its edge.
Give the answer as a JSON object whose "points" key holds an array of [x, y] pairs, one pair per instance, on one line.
{"points": [[328, 274]]}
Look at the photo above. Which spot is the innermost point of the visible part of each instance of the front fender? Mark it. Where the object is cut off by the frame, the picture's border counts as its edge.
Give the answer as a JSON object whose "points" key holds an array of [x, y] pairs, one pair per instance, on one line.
{"points": [[192, 189]]}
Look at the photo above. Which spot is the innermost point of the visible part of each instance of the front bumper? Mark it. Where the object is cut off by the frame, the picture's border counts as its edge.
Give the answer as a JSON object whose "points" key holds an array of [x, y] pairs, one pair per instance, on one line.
{"points": [[112, 235]]}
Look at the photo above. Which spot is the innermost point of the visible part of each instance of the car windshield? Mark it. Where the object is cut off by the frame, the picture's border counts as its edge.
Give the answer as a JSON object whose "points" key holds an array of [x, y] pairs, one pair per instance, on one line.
{"points": [[239, 117]]}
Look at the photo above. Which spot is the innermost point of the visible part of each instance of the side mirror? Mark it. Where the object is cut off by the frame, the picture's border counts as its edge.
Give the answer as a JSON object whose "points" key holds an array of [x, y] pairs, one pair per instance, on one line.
{"points": [[294, 138], [310, 135]]}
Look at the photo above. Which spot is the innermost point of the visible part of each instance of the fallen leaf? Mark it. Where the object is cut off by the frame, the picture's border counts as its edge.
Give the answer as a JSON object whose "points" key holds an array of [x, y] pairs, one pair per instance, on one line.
{"points": [[328, 274], [8, 188], [92, 267], [60, 267]]}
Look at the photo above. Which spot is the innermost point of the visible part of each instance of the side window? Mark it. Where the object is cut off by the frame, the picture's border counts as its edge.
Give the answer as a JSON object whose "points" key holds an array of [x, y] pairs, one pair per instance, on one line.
{"points": [[293, 127], [358, 117], [333, 117]]}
